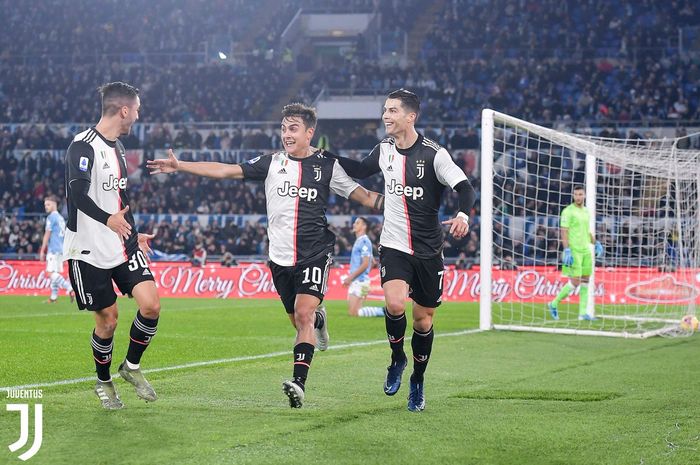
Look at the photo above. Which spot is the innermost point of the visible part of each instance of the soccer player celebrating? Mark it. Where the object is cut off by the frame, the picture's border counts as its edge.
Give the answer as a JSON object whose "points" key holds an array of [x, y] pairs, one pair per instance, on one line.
{"points": [[416, 171], [103, 246], [298, 182], [52, 249], [357, 281], [576, 239]]}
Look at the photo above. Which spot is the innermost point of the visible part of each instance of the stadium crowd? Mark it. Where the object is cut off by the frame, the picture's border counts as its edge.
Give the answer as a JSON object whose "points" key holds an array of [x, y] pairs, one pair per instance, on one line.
{"points": [[562, 63], [598, 60]]}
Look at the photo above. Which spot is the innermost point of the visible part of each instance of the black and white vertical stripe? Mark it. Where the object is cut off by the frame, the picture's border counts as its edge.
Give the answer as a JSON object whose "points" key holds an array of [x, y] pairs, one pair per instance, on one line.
{"points": [[78, 278], [326, 271]]}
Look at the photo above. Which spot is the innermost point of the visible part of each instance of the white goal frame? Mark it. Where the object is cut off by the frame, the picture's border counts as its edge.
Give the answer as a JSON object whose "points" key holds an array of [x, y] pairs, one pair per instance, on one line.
{"points": [[591, 148]]}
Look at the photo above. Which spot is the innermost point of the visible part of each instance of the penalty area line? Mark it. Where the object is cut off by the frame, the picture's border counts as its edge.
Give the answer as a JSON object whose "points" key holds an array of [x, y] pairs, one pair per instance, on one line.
{"points": [[245, 358]]}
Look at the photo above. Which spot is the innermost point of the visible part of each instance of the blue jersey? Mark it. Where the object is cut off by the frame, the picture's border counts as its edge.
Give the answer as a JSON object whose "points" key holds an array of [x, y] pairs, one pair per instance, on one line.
{"points": [[362, 248], [57, 225]]}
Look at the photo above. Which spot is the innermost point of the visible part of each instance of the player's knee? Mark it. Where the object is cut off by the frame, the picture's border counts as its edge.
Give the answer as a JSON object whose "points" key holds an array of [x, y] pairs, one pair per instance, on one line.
{"points": [[395, 306], [151, 310], [422, 323], [303, 318], [107, 326]]}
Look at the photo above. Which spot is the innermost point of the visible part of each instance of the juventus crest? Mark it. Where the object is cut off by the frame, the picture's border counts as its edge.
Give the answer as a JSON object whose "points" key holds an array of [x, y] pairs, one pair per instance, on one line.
{"points": [[317, 173], [420, 167]]}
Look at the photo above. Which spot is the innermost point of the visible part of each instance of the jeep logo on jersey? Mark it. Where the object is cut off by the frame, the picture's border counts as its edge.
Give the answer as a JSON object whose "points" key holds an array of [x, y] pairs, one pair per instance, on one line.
{"points": [[420, 166], [307, 193], [114, 183], [317, 173], [399, 189]]}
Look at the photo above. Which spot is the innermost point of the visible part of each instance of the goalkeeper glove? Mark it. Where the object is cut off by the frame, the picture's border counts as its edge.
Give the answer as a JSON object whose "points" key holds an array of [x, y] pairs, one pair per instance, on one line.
{"points": [[598, 249], [568, 259]]}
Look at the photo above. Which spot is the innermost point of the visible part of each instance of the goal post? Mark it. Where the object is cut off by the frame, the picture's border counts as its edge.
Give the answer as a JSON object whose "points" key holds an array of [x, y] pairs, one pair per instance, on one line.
{"points": [[642, 196]]}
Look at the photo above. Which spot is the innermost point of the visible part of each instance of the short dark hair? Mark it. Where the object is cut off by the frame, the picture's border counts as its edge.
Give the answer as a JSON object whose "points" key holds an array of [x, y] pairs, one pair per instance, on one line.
{"points": [[364, 220], [114, 95], [578, 187], [306, 113], [52, 198], [409, 100]]}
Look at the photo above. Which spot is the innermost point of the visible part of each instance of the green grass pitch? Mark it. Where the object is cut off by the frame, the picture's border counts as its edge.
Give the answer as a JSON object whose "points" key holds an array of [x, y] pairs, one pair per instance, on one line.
{"points": [[492, 397]]}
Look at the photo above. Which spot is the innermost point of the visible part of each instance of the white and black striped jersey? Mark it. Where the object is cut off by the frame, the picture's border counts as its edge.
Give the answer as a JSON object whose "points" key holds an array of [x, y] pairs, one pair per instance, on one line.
{"points": [[414, 180], [297, 191], [101, 162]]}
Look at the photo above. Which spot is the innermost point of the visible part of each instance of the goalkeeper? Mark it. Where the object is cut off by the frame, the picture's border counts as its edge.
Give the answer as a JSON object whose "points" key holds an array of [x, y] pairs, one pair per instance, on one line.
{"points": [[577, 260]]}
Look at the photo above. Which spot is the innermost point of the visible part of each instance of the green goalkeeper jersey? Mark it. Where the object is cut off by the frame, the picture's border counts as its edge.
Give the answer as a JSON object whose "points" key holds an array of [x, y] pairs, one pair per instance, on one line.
{"points": [[576, 219]]}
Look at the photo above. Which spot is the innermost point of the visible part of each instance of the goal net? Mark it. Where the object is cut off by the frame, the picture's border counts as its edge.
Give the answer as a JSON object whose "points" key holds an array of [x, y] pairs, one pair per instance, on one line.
{"points": [[642, 196]]}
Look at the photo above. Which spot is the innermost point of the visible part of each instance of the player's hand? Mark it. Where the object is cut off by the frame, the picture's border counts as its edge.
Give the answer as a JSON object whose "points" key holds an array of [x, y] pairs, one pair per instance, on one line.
{"points": [[347, 281], [118, 223], [145, 247], [459, 225], [568, 259], [598, 249], [164, 165], [42, 256]]}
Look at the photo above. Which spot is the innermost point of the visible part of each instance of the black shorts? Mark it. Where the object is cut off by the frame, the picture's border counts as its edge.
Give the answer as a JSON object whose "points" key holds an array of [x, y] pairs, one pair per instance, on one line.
{"points": [[309, 278], [423, 275], [93, 286]]}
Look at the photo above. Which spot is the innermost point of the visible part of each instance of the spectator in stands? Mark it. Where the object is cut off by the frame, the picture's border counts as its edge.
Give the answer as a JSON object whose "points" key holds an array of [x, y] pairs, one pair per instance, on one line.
{"points": [[199, 255]]}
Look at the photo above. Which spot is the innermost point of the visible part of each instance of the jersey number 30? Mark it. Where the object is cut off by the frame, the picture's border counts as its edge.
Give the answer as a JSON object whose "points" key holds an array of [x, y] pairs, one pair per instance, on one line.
{"points": [[137, 260]]}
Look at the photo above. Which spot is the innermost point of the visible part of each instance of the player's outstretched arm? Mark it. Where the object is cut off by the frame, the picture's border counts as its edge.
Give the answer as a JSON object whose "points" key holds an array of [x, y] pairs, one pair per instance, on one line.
{"points": [[358, 169], [370, 199], [200, 168]]}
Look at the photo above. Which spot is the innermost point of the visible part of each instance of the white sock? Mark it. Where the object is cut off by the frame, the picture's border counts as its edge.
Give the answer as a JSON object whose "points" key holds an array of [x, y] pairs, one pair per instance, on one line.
{"points": [[132, 366], [54, 285], [371, 311]]}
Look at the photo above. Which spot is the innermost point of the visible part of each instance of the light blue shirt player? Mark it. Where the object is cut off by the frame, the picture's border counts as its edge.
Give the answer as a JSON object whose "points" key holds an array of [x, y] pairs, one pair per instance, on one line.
{"points": [[358, 281], [52, 248], [362, 248], [57, 225]]}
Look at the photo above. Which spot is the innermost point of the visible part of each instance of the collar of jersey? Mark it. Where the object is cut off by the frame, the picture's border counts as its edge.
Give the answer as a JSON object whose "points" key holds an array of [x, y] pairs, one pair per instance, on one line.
{"points": [[408, 150], [111, 143], [293, 158]]}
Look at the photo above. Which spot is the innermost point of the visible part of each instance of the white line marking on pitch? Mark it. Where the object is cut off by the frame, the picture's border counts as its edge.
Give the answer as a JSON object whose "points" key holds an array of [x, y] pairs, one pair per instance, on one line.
{"points": [[220, 361]]}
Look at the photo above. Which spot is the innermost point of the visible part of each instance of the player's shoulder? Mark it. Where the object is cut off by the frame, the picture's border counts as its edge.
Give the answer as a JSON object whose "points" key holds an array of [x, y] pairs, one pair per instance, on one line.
{"points": [[266, 157], [431, 146], [88, 136], [324, 157], [80, 147], [572, 210]]}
